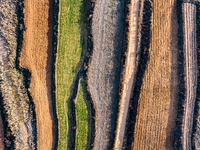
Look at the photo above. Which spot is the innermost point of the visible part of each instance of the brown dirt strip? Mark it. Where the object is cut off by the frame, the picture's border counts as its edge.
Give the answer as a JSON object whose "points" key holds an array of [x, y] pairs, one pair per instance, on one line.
{"points": [[158, 102], [37, 57], [1, 134], [129, 75]]}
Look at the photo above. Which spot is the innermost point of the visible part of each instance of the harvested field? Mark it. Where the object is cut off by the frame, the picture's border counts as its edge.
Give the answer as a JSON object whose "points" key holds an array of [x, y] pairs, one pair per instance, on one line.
{"points": [[190, 77], [104, 69], [157, 104], [129, 72], [37, 57]]}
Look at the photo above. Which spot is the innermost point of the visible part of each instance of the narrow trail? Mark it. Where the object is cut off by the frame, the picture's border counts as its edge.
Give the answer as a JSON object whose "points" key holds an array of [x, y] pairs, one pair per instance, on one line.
{"points": [[189, 57], [129, 72]]}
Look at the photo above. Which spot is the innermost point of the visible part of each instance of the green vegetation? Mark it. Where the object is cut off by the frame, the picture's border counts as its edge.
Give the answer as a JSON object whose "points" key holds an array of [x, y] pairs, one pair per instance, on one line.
{"points": [[82, 118], [71, 50]]}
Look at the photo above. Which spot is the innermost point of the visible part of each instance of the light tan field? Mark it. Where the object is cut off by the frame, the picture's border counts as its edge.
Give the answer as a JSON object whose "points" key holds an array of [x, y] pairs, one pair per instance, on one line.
{"points": [[158, 99], [37, 57], [1, 135]]}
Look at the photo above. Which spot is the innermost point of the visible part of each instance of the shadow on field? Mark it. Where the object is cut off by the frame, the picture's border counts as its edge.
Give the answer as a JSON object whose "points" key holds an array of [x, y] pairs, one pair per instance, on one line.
{"points": [[50, 66], [174, 81], [181, 82]]}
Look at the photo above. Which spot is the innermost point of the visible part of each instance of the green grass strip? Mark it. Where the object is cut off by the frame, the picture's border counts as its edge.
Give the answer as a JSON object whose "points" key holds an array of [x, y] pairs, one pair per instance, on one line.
{"points": [[82, 111], [70, 53]]}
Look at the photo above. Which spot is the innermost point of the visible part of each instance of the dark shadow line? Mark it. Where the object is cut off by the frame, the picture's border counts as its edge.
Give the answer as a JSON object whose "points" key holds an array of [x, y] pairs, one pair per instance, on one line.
{"points": [[56, 10], [174, 80], [142, 66], [178, 133]]}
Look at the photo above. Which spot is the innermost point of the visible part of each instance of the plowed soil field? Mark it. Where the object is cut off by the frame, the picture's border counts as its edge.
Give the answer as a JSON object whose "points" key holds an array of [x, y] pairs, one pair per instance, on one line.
{"points": [[37, 57], [158, 99]]}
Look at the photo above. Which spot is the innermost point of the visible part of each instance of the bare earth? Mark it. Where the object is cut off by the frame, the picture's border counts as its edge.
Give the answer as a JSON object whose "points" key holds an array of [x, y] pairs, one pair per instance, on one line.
{"points": [[158, 102], [37, 56], [129, 75]]}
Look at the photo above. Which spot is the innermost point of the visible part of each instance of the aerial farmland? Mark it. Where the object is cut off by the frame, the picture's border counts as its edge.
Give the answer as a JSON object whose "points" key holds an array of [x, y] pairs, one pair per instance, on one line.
{"points": [[99, 74]]}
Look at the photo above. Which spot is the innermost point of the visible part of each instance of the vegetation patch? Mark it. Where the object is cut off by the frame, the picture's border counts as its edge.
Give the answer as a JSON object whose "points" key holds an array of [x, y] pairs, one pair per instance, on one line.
{"points": [[82, 114], [71, 50]]}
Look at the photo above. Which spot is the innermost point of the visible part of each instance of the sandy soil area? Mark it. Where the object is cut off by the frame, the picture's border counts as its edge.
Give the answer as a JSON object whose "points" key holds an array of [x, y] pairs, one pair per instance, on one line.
{"points": [[37, 57], [158, 102], [129, 74], [1, 135]]}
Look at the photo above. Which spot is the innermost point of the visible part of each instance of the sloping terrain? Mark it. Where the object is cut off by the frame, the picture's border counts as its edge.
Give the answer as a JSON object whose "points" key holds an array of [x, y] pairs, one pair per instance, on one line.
{"points": [[37, 57], [156, 114]]}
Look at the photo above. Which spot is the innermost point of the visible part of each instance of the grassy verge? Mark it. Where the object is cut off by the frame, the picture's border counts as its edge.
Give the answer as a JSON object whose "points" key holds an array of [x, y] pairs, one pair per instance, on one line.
{"points": [[82, 115], [70, 53]]}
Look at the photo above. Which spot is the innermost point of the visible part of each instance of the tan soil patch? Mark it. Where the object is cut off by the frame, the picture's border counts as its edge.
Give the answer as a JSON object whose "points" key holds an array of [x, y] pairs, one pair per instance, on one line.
{"points": [[37, 56], [158, 102]]}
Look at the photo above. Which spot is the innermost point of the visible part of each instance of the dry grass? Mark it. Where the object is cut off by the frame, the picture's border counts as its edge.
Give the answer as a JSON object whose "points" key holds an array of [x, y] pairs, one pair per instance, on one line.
{"points": [[104, 69], [157, 104]]}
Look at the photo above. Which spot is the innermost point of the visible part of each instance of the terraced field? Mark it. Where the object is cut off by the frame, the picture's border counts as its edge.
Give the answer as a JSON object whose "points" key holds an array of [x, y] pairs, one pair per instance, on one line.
{"points": [[99, 74]]}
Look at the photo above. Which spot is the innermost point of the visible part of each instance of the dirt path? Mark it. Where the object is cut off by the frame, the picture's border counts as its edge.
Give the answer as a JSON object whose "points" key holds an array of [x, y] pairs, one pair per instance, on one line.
{"points": [[1, 135], [157, 104], [37, 56], [129, 75], [190, 53]]}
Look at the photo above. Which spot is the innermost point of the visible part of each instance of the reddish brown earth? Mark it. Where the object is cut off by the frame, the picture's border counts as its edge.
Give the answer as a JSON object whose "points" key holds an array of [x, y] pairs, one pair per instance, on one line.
{"points": [[37, 57]]}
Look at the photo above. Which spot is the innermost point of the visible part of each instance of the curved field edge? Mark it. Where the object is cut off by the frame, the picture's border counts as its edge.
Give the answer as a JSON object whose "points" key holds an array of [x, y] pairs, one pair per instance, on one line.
{"points": [[71, 49], [14, 91]]}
